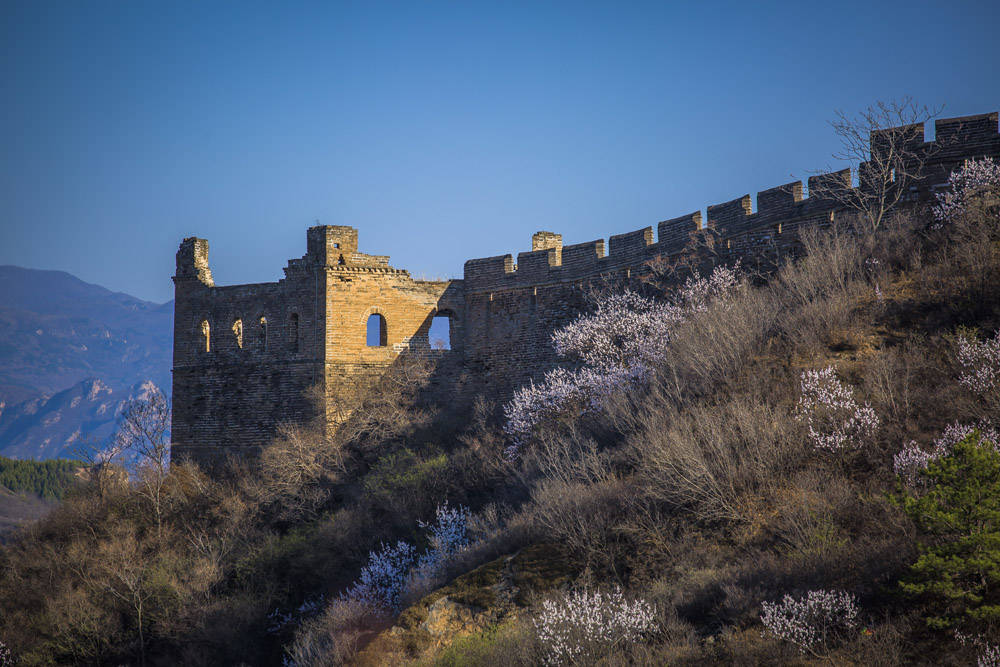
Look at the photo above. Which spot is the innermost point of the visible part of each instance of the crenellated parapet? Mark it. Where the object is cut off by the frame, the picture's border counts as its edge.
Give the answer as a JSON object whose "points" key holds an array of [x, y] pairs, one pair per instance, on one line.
{"points": [[738, 226], [245, 355]]}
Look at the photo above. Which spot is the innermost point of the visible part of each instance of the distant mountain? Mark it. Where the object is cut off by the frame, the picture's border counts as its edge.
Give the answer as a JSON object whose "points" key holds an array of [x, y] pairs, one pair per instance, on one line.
{"points": [[70, 352], [80, 418]]}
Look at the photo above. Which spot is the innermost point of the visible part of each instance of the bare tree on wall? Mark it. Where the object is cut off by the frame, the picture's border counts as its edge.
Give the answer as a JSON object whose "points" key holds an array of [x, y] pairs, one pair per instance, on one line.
{"points": [[884, 145]]}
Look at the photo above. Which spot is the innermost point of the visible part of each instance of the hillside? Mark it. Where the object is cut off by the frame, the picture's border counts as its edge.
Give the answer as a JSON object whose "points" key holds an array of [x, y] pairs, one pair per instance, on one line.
{"points": [[30, 489], [792, 467], [57, 334]]}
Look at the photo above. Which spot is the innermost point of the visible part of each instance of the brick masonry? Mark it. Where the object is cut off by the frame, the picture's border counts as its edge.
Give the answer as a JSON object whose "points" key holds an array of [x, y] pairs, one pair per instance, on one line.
{"points": [[245, 355]]}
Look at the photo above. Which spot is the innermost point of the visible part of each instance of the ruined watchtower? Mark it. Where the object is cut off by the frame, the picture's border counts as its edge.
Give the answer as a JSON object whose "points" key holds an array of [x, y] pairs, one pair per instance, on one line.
{"points": [[246, 355]]}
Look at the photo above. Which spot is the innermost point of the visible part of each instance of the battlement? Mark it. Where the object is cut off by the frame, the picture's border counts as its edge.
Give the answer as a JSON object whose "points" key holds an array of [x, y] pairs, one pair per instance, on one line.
{"points": [[735, 223], [244, 355]]}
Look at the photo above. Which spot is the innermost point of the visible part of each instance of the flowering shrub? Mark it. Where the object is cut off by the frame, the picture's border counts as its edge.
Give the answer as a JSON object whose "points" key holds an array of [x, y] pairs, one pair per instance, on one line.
{"points": [[449, 535], [616, 347], [583, 624], [912, 459], [980, 362], [989, 654], [6, 660], [394, 569], [974, 179], [834, 418], [383, 578], [812, 621]]}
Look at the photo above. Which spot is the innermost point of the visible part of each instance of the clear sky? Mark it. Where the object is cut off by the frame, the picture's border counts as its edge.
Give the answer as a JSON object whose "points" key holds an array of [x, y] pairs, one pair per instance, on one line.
{"points": [[442, 131]]}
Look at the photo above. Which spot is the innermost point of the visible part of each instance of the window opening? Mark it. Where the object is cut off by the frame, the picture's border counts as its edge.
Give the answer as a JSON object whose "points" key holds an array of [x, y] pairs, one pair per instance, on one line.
{"points": [[293, 332], [440, 333], [238, 332], [376, 334]]}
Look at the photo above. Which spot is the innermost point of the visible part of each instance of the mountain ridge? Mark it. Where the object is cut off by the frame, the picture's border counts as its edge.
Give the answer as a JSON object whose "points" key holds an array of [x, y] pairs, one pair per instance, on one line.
{"points": [[59, 338]]}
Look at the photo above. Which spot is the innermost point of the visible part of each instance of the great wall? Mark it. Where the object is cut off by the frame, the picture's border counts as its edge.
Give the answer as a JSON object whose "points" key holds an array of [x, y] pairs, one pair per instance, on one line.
{"points": [[245, 356]]}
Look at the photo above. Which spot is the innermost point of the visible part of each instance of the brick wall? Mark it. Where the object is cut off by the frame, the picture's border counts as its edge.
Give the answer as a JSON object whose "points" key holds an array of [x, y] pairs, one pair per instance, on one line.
{"points": [[231, 398]]}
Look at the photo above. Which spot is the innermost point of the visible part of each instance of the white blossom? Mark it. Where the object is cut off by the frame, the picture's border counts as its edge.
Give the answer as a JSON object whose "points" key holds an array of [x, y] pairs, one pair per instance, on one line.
{"points": [[382, 579], [395, 569], [980, 362], [913, 459], [989, 654], [583, 624], [834, 418], [974, 179], [616, 348], [449, 536], [910, 461], [810, 621]]}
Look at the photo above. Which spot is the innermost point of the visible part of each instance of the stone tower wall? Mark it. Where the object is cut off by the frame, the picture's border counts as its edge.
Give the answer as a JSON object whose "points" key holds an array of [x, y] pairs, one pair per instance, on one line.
{"points": [[229, 398]]}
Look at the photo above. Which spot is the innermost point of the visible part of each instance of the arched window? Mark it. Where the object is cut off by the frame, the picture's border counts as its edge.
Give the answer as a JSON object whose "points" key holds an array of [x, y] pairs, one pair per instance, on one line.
{"points": [[439, 334], [376, 335], [238, 332], [206, 332], [293, 332], [263, 333]]}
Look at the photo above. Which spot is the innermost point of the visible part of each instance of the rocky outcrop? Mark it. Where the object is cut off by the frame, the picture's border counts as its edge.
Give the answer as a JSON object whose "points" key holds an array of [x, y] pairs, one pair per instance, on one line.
{"points": [[488, 596]]}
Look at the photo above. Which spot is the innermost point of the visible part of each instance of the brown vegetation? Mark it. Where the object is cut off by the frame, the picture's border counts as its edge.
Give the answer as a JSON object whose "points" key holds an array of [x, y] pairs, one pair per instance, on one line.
{"points": [[701, 493]]}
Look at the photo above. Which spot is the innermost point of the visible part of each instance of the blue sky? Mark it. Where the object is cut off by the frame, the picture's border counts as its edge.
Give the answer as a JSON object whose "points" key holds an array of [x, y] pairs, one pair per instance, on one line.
{"points": [[442, 131]]}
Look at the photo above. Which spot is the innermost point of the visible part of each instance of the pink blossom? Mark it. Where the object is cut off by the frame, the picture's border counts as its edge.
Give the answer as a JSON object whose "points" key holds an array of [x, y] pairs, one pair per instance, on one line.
{"points": [[980, 362], [974, 179], [810, 621], [579, 625], [834, 418], [912, 459], [615, 348]]}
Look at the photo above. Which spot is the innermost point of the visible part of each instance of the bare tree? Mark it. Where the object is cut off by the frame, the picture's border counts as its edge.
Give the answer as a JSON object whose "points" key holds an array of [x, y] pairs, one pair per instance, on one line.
{"points": [[883, 145], [381, 403], [143, 438], [299, 467]]}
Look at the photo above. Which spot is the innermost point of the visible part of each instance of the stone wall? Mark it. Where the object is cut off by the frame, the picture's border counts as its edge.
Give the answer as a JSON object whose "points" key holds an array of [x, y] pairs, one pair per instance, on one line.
{"points": [[269, 344], [512, 307], [231, 397]]}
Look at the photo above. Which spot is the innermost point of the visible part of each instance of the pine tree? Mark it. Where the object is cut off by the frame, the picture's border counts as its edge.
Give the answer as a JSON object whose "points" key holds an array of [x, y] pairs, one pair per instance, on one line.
{"points": [[957, 574]]}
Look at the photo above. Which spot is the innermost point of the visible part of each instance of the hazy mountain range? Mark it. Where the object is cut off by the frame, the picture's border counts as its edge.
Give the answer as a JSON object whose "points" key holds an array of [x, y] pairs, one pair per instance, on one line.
{"points": [[70, 354]]}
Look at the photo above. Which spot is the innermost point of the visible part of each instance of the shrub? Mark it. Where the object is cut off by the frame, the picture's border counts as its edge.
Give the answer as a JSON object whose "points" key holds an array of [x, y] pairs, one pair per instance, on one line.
{"points": [[973, 180], [334, 637], [980, 362], [957, 573], [834, 418], [617, 347], [583, 625], [401, 482], [715, 459], [394, 569], [811, 622], [382, 579], [912, 460], [448, 537]]}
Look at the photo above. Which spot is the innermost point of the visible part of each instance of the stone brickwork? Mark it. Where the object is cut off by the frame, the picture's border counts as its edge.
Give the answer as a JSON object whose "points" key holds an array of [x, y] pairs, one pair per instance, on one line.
{"points": [[268, 344], [234, 384]]}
